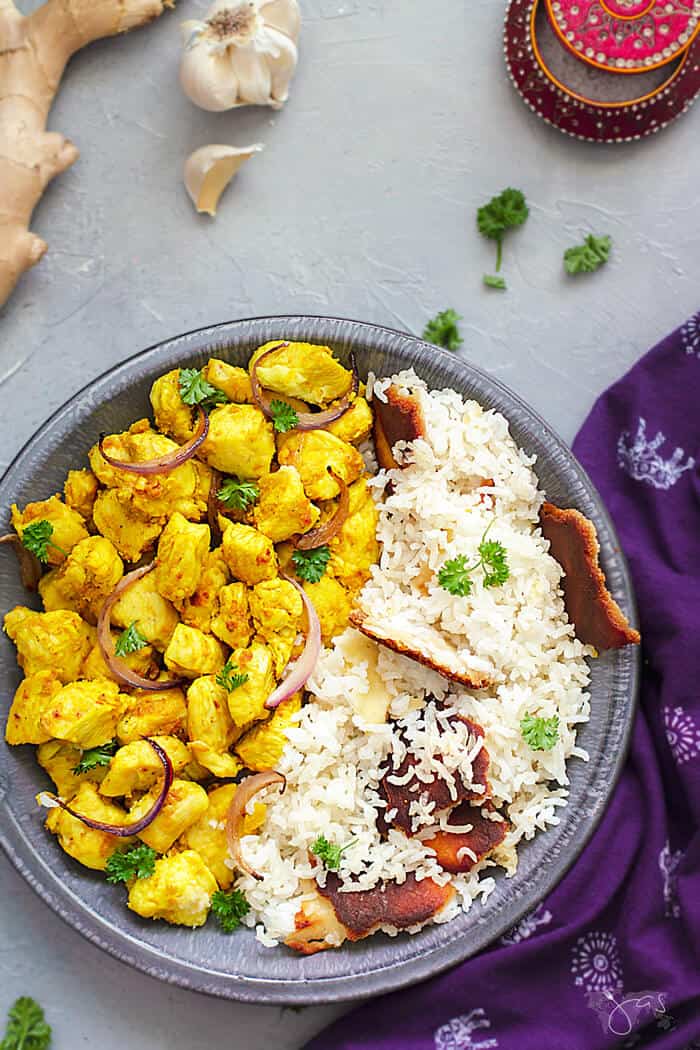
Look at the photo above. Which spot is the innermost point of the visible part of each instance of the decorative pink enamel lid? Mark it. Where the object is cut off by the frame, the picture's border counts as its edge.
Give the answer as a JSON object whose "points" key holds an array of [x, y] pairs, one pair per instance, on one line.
{"points": [[626, 36]]}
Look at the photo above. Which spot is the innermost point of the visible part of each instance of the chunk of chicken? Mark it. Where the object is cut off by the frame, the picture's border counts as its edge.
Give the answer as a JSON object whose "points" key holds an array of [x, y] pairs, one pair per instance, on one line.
{"points": [[87, 577], [136, 766], [115, 518], [247, 702], [32, 699], [277, 609], [184, 804], [249, 555], [182, 550], [143, 604], [179, 891], [52, 641], [262, 746], [232, 620], [85, 713], [89, 847], [192, 653], [68, 526], [208, 835], [333, 604], [79, 491], [173, 417], [303, 370], [153, 714], [355, 548], [234, 381], [312, 452], [283, 509], [198, 609], [142, 662], [210, 727], [240, 441], [355, 425], [60, 759]]}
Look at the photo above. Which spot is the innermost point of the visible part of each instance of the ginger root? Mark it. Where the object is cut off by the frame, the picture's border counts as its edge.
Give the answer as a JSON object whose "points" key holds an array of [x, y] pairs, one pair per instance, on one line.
{"points": [[34, 50]]}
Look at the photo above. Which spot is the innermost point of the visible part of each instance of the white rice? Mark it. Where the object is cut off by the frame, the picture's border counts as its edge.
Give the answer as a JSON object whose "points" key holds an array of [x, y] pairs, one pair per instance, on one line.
{"points": [[518, 634]]}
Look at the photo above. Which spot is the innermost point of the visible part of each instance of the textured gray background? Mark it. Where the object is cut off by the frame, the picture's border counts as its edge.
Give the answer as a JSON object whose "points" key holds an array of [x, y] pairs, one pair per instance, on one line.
{"points": [[401, 122]]}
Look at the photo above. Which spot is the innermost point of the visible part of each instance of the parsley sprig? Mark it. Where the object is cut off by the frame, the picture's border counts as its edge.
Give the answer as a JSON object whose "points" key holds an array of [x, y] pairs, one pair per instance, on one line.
{"points": [[443, 330], [311, 565], [502, 213], [236, 494], [284, 416], [229, 908], [130, 641], [330, 855], [26, 1027], [455, 576], [196, 390], [230, 677], [95, 757], [136, 863], [541, 734], [589, 256], [37, 539]]}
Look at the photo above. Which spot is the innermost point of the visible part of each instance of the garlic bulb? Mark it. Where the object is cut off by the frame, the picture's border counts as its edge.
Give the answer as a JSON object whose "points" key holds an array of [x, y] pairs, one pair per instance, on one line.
{"points": [[243, 53], [209, 170]]}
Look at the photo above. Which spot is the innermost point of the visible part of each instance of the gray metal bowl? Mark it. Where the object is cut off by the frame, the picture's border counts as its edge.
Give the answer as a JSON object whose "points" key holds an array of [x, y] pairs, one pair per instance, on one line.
{"points": [[237, 966]]}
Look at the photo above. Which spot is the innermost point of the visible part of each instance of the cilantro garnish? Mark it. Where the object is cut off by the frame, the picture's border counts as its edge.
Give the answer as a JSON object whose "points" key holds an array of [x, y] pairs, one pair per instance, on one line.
{"points": [[94, 757], [589, 256], [230, 678], [129, 641], [328, 854], [311, 565], [195, 390], [495, 282], [229, 908], [26, 1027], [37, 539], [455, 574], [502, 213], [284, 416], [443, 330], [236, 494], [136, 863], [540, 733]]}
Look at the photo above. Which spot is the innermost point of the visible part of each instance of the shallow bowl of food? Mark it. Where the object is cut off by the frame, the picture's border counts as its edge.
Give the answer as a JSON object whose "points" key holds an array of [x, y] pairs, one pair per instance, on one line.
{"points": [[241, 965]]}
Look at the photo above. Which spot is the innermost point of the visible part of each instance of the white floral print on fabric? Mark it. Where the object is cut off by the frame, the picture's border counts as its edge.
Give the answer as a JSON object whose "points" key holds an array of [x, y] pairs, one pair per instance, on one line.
{"points": [[641, 460], [596, 963], [669, 863], [524, 929], [459, 1033], [682, 733], [690, 335]]}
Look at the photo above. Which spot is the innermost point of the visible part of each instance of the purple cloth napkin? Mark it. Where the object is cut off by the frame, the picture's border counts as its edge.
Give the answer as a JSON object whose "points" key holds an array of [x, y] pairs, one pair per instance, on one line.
{"points": [[611, 958]]}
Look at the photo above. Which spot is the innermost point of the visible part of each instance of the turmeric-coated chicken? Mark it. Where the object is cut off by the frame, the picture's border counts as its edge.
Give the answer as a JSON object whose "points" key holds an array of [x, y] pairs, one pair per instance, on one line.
{"points": [[312, 452], [210, 727], [52, 641], [192, 653], [68, 527], [79, 492], [208, 835], [249, 554], [136, 766], [283, 508], [85, 579], [179, 890], [182, 551], [199, 608], [92, 848], [85, 713], [240, 441], [231, 622], [303, 370], [246, 702], [185, 803], [31, 701]]}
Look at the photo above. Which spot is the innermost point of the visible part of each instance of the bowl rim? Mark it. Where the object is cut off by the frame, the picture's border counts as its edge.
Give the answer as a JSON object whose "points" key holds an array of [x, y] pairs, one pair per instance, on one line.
{"points": [[147, 958]]}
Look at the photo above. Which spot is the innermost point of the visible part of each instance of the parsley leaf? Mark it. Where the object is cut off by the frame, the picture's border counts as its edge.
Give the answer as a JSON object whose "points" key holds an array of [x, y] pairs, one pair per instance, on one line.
{"points": [[195, 390], [26, 1027], [493, 562], [230, 678], [540, 733], [94, 757], [129, 641], [502, 213], [495, 282], [284, 417], [229, 908], [589, 256], [136, 863], [328, 854], [454, 576], [311, 565], [37, 539], [443, 330], [236, 494]]}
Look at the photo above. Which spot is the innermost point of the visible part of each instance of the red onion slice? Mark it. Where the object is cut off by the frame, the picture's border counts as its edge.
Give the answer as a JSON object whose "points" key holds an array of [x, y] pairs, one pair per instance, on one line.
{"points": [[48, 799], [121, 671], [298, 673], [171, 460], [246, 790], [322, 534], [29, 564], [305, 420]]}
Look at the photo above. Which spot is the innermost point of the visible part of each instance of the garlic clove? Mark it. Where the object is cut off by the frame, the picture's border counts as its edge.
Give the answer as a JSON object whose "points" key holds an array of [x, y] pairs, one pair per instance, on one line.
{"points": [[253, 77], [209, 170], [282, 15], [208, 79]]}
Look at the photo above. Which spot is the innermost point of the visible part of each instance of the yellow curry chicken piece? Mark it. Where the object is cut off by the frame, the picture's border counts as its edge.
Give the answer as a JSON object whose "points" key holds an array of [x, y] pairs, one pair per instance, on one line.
{"points": [[247, 703], [85, 579], [172, 416], [199, 608], [303, 370], [184, 804], [68, 526], [234, 381], [192, 653], [355, 548], [92, 848], [283, 508], [276, 607], [182, 551], [355, 425], [141, 661], [59, 759], [53, 641], [85, 713], [232, 622], [249, 554], [333, 605], [240, 441], [153, 713], [32, 699], [143, 604], [179, 890], [312, 452], [80, 491], [210, 727], [262, 746], [116, 519], [136, 766], [208, 835]]}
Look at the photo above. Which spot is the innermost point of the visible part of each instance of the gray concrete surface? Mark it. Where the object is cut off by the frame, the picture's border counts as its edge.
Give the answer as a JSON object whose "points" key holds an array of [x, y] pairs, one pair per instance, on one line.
{"points": [[401, 122]]}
